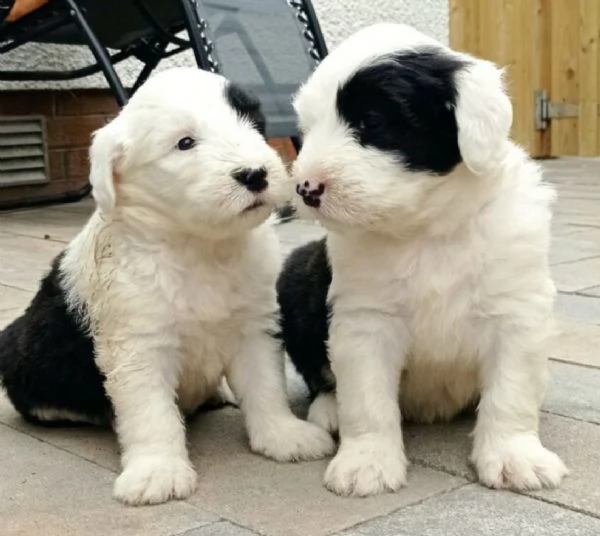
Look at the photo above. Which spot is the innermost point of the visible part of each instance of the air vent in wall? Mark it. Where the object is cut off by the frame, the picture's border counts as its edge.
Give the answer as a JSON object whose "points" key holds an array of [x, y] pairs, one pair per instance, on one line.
{"points": [[22, 151]]}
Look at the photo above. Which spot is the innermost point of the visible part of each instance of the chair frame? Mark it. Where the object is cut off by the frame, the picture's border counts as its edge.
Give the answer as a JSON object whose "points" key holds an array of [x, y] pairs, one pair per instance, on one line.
{"points": [[149, 50]]}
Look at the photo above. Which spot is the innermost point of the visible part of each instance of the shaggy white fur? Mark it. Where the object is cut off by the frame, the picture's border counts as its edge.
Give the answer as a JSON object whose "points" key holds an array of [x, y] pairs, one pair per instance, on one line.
{"points": [[441, 292], [175, 275]]}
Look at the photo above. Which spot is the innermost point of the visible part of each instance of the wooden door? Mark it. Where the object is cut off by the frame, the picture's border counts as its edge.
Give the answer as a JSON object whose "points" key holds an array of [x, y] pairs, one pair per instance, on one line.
{"points": [[551, 54]]}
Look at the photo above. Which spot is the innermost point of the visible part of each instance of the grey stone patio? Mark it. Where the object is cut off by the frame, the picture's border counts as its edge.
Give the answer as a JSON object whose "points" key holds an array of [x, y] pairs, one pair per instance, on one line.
{"points": [[58, 481]]}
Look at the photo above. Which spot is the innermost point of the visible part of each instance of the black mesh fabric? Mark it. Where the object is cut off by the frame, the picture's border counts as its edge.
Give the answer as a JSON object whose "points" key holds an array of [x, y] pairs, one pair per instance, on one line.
{"points": [[262, 46]]}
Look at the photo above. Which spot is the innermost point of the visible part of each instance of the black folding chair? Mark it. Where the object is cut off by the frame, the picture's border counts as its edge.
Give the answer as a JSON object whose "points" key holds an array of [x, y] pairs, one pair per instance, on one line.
{"points": [[267, 46]]}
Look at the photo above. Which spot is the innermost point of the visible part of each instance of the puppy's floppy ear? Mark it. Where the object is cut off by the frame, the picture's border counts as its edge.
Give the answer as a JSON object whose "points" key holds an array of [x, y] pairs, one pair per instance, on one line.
{"points": [[106, 152], [483, 115]]}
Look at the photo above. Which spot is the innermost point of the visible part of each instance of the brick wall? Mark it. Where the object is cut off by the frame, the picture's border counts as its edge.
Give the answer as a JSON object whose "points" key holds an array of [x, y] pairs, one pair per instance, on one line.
{"points": [[71, 117]]}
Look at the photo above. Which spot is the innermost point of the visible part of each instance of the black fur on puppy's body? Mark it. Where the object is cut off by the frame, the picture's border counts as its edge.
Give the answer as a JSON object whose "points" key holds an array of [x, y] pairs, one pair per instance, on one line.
{"points": [[47, 361], [302, 289]]}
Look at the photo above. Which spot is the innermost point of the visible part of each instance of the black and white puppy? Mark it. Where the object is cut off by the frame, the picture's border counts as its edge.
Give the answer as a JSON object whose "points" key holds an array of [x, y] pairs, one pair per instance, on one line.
{"points": [[432, 291], [169, 287]]}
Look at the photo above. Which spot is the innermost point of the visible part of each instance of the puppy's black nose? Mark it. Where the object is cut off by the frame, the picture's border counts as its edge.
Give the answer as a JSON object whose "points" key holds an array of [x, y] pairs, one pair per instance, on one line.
{"points": [[253, 179], [311, 193]]}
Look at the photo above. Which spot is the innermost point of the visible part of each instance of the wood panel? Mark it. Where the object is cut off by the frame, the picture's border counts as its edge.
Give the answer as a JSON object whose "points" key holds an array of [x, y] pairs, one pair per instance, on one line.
{"points": [[564, 86], [541, 64], [589, 24], [464, 24], [522, 59], [508, 32], [550, 45]]}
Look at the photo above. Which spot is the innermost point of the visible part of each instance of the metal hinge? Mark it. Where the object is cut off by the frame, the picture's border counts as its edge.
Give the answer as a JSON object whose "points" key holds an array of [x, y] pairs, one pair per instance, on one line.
{"points": [[545, 110]]}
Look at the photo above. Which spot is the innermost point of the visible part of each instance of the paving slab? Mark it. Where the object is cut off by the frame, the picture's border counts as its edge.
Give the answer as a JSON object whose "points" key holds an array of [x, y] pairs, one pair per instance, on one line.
{"points": [[577, 308], [284, 499], [565, 251], [219, 451], [98, 445], [13, 298], [13, 302], [577, 275], [86, 206], [22, 274], [574, 191], [247, 489], [574, 392], [577, 343], [573, 248], [446, 447], [48, 492], [563, 229], [24, 260], [593, 291], [223, 528], [474, 511], [57, 225]]}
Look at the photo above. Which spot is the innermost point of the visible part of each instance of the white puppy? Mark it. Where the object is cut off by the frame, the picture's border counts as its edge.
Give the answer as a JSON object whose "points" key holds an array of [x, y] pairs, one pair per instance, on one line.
{"points": [[434, 269], [169, 287]]}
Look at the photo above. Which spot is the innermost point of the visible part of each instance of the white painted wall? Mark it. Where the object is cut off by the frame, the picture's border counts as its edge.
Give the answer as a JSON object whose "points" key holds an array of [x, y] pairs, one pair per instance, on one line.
{"points": [[338, 18]]}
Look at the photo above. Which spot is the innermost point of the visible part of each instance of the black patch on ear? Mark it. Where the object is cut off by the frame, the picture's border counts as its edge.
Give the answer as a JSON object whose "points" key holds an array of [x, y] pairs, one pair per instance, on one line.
{"points": [[404, 104], [246, 105]]}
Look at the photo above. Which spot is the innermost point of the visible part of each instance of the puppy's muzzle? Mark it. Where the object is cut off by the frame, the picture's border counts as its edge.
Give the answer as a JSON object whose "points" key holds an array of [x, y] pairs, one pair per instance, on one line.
{"points": [[255, 180], [311, 193]]}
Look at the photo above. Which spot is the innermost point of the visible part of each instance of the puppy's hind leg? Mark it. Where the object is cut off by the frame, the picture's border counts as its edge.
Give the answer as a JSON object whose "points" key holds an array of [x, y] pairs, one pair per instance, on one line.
{"points": [[257, 378], [51, 417]]}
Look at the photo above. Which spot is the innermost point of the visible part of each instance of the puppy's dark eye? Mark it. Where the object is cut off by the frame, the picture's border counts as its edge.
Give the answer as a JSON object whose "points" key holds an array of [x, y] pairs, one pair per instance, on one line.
{"points": [[185, 144], [370, 123]]}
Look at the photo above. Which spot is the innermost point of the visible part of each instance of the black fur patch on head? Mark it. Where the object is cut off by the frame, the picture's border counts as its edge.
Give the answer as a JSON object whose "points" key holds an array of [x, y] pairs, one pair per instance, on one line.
{"points": [[246, 105], [47, 359], [404, 104], [302, 289]]}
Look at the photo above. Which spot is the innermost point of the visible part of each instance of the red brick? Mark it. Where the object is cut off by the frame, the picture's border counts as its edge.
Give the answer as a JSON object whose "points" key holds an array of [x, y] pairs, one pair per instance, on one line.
{"points": [[56, 165], [27, 103], [86, 102], [77, 164], [74, 131]]}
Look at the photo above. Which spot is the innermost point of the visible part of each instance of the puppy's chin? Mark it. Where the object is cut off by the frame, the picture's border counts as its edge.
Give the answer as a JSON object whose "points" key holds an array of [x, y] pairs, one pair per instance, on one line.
{"points": [[235, 223], [255, 214]]}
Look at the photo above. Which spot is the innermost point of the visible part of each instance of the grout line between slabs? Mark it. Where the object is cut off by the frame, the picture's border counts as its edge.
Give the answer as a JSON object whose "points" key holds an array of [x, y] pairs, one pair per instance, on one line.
{"points": [[46, 442], [29, 234], [575, 363], [14, 287], [562, 506], [570, 417], [404, 507], [562, 263]]}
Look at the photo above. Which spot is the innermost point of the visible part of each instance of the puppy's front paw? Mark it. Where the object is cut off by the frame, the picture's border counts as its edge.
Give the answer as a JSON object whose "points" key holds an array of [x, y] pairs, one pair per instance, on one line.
{"points": [[154, 480], [519, 463], [366, 466], [289, 439]]}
